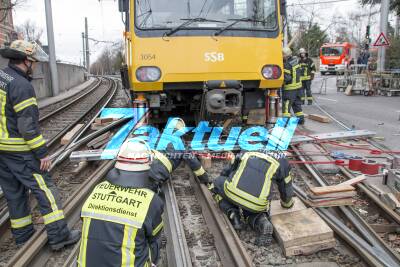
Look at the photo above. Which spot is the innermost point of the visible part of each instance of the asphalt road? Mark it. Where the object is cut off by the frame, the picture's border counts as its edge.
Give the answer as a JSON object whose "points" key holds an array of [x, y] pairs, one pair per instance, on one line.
{"points": [[377, 113]]}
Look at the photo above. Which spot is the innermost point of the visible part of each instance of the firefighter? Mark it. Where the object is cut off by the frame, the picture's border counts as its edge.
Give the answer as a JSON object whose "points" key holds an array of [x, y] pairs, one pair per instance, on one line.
{"points": [[122, 217], [308, 75], [167, 161], [24, 159], [245, 185], [292, 89]]}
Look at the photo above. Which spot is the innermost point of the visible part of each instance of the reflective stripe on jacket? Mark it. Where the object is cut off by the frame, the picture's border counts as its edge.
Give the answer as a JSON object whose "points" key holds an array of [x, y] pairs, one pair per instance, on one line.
{"points": [[250, 183], [121, 227], [19, 114], [293, 73], [308, 68]]}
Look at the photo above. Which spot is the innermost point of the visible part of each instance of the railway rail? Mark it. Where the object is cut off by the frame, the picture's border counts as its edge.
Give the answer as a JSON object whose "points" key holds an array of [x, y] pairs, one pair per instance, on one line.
{"points": [[197, 231], [360, 236]]}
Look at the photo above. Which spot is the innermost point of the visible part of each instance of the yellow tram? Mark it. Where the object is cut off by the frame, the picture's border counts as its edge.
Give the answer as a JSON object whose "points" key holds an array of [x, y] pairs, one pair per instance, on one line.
{"points": [[202, 57]]}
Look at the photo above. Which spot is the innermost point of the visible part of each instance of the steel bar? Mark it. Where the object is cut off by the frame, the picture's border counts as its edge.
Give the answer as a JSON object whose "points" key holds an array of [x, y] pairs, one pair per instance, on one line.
{"points": [[177, 249], [229, 247], [344, 232], [379, 247]]}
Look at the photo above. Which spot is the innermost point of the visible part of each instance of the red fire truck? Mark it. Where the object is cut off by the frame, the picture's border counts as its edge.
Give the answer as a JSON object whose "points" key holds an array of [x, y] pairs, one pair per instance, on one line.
{"points": [[335, 58]]}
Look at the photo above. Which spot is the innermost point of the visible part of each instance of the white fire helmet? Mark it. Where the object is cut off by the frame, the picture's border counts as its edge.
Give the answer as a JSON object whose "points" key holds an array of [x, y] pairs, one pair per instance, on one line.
{"points": [[179, 124], [302, 51], [134, 155]]}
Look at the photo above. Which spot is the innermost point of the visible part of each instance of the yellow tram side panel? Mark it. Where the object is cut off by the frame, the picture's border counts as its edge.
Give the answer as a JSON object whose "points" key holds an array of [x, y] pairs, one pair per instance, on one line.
{"points": [[183, 59]]}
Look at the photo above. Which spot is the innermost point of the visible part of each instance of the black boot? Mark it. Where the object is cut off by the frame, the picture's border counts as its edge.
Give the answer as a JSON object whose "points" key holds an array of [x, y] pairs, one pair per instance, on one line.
{"points": [[301, 121], [73, 237], [309, 102], [234, 218], [264, 229]]}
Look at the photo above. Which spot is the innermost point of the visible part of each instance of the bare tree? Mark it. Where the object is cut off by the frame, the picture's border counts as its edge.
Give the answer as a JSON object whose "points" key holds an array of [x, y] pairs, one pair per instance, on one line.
{"points": [[6, 6], [30, 31]]}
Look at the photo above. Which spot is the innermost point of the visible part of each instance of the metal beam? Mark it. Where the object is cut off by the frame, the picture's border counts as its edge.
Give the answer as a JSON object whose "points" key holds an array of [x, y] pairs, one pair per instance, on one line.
{"points": [[87, 46], [383, 29], [52, 49]]}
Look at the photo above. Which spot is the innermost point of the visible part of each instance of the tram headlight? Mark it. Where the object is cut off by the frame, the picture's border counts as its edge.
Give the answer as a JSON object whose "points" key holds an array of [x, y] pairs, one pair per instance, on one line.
{"points": [[271, 72], [148, 74]]}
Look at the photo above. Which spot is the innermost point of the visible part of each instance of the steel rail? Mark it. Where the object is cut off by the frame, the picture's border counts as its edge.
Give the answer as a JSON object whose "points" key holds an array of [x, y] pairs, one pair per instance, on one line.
{"points": [[36, 250], [67, 149], [380, 250], [342, 230], [228, 244], [73, 101], [177, 249], [395, 216], [60, 134]]}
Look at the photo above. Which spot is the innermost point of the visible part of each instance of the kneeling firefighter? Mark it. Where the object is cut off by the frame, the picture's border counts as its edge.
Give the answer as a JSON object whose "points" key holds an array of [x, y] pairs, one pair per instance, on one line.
{"points": [[165, 162], [122, 216], [246, 185]]}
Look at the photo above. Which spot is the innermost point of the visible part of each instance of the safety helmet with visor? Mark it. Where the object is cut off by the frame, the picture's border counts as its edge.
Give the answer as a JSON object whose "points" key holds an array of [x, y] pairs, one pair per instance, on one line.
{"points": [[24, 50]]}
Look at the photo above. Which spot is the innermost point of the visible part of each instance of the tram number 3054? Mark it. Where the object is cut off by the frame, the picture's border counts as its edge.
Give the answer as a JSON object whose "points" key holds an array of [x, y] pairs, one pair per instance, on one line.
{"points": [[214, 57]]}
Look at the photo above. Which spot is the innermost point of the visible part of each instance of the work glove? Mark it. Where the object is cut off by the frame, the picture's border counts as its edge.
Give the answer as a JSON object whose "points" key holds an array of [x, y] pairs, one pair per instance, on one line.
{"points": [[204, 179]]}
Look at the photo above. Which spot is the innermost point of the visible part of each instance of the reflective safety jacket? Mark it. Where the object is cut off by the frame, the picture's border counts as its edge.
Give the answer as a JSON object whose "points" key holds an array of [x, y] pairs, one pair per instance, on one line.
{"points": [[308, 68], [19, 114], [250, 178], [121, 227], [293, 73], [164, 163]]}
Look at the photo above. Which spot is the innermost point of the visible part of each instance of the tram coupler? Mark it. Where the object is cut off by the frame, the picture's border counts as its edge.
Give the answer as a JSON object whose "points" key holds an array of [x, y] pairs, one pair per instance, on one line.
{"points": [[224, 97]]}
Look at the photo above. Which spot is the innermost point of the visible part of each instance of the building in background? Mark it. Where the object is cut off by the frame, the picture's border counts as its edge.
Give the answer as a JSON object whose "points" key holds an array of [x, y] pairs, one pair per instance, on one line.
{"points": [[7, 32]]}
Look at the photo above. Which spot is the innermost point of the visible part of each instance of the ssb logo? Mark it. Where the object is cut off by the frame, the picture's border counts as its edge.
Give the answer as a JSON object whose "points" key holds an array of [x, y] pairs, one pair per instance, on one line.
{"points": [[214, 57]]}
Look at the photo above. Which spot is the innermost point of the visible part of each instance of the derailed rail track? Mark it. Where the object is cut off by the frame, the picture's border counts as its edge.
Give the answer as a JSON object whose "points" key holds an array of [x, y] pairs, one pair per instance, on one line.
{"points": [[360, 236], [229, 248]]}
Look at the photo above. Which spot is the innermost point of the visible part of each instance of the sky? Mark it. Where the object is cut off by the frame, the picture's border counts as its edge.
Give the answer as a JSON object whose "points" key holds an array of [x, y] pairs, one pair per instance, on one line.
{"points": [[105, 21], [69, 22]]}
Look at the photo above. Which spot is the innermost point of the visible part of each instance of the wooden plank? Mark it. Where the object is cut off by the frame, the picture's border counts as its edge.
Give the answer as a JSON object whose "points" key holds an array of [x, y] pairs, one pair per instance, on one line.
{"points": [[348, 90], [97, 126], [320, 118], [300, 228], [331, 202], [68, 136], [98, 139], [331, 189], [310, 248], [100, 144], [348, 194], [256, 117], [355, 180], [103, 120], [277, 209], [386, 228]]}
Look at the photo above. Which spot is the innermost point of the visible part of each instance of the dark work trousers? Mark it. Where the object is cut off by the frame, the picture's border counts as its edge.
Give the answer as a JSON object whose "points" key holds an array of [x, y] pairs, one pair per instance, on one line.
{"points": [[18, 173], [227, 206], [307, 92], [292, 99]]}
